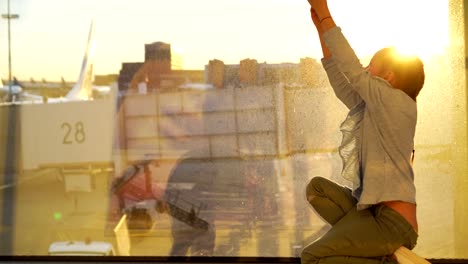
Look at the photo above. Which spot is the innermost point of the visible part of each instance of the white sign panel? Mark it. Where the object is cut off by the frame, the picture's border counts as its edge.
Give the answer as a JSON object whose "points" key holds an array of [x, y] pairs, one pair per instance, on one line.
{"points": [[68, 132]]}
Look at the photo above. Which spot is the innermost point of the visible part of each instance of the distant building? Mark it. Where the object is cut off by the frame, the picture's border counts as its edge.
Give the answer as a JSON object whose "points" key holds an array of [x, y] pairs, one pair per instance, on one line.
{"points": [[156, 71], [216, 72], [159, 51], [128, 70], [107, 79], [248, 72], [251, 73]]}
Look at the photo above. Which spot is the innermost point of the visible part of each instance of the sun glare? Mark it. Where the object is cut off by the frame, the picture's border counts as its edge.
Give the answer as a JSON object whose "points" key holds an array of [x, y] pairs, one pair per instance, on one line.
{"points": [[426, 34], [418, 27], [425, 48]]}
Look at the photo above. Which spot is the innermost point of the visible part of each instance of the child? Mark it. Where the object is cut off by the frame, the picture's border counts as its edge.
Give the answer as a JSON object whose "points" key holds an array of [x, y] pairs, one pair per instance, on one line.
{"points": [[379, 215]]}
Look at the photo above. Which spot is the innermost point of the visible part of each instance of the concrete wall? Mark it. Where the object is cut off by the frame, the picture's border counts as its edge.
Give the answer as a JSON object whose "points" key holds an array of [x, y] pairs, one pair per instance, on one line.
{"points": [[227, 123]]}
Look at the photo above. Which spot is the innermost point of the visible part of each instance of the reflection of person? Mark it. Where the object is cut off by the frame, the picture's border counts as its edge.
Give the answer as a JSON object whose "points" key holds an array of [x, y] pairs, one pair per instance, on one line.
{"points": [[189, 183], [260, 191], [193, 181], [379, 214], [264, 217]]}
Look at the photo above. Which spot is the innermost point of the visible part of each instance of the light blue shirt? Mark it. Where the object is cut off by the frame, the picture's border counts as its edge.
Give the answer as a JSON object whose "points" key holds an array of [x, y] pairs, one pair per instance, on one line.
{"points": [[378, 134]]}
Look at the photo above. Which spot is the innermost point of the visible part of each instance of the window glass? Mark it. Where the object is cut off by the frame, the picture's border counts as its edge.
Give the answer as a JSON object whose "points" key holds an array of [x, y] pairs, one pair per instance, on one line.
{"points": [[191, 128]]}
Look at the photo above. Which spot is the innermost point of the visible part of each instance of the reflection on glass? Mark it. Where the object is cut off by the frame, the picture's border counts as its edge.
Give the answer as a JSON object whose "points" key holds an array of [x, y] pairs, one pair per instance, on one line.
{"points": [[204, 127]]}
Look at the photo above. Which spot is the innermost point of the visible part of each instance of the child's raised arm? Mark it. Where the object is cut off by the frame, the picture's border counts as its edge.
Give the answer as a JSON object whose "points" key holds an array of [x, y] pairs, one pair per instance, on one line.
{"points": [[323, 14]]}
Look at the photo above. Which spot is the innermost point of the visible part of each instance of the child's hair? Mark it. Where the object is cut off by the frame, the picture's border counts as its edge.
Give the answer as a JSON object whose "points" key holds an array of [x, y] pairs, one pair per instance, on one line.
{"points": [[408, 70]]}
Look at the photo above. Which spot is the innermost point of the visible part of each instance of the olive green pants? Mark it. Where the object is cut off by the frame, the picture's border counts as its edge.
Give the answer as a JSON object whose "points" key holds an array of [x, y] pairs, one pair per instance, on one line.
{"points": [[365, 236]]}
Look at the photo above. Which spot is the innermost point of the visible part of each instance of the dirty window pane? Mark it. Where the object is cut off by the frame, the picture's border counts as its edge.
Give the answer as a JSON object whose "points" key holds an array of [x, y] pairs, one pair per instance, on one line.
{"points": [[173, 128]]}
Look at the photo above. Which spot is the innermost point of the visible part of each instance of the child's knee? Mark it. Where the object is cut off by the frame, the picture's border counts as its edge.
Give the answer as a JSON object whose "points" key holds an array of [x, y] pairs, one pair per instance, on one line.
{"points": [[314, 188], [307, 257]]}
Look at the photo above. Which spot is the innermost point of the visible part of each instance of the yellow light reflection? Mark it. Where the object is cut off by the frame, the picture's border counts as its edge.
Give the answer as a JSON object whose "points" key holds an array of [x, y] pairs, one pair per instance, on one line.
{"points": [[413, 26], [425, 48]]}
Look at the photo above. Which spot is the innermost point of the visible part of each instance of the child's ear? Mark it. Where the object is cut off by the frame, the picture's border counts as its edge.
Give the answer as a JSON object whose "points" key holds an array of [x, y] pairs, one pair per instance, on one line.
{"points": [[390, 77]]}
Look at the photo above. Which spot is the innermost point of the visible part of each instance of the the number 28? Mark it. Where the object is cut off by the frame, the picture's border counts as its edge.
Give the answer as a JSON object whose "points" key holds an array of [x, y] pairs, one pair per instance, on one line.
{"points": [[74, 134]]}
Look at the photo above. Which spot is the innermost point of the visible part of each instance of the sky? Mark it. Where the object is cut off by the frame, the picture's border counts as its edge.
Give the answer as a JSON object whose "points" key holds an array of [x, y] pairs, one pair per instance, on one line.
{"points": [[49, 38]]}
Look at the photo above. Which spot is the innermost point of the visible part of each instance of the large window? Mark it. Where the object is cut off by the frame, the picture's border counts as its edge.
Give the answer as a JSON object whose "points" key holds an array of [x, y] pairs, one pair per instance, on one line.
{"points": [[191, 128]]}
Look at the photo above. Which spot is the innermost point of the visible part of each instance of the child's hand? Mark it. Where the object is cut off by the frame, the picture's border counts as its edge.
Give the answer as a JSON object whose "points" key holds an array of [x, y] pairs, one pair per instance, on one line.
{"points": [[320, 7], [317, 3]]}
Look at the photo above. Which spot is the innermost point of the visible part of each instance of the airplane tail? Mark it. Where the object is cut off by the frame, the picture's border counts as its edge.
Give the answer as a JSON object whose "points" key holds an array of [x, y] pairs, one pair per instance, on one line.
{"points": [[82, 90]]}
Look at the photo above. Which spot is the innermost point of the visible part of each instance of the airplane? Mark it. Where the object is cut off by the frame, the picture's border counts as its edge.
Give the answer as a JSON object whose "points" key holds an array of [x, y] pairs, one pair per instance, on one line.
{"points": [[15, 87], [81, 90], [16, 93]]}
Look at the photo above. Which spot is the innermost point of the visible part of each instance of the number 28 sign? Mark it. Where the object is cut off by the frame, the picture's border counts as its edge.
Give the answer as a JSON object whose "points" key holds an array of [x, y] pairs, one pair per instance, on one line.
{"points": [[73, 133]]}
